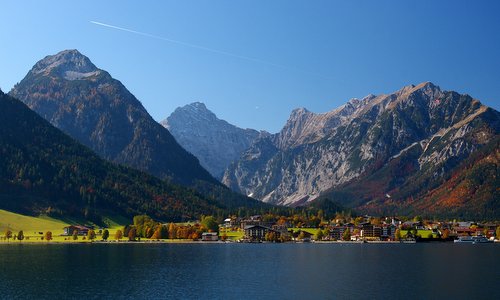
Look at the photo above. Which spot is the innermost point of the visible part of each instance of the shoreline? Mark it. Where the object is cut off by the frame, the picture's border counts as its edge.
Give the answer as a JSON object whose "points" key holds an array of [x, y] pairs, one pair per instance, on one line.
{"points": [[207, 242]]}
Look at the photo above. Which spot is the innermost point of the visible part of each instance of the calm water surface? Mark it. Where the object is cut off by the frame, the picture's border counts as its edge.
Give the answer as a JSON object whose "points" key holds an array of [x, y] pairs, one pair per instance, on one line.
{"points": [[250, 271]]}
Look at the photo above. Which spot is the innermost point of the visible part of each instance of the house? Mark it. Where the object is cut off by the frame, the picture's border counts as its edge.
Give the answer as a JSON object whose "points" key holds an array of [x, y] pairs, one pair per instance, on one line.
{"points": [[81, 230], [254, 220], [258, 232], [302, 236], [337, 232], [209, 236], [370, 231], [388, 232]]}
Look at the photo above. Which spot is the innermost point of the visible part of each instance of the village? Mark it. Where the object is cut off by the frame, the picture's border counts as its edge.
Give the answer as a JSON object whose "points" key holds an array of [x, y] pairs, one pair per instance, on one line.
{"points": [[269, 228]]}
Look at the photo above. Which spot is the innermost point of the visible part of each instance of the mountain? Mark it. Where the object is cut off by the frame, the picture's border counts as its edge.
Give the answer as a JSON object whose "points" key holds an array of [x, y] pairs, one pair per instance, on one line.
{"points": [[215, 142], [371, 150], [85, 102], [42, 170], [69, 91]]}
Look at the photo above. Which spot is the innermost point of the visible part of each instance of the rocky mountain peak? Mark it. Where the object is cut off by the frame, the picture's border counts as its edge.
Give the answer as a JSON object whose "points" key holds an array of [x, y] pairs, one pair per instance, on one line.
{"points": [[69, 64], [192, 113], [70, 92], [215, 142], [298, 112]]}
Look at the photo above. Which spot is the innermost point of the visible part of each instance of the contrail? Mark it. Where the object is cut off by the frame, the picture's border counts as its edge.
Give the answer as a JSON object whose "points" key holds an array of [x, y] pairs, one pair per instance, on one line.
{"points": [[248, 58]]}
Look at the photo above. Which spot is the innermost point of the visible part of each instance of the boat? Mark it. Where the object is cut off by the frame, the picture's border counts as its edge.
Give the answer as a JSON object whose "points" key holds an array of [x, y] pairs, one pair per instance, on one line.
{"points": [[472, 239]]}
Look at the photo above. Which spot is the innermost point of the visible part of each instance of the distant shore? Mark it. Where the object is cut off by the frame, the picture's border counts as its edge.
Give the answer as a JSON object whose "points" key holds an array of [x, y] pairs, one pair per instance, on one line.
{"points": [[194, 242]]}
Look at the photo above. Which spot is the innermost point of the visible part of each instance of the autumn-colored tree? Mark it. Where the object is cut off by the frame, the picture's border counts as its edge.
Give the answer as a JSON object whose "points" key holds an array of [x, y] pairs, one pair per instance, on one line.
{"points": [[497, 233], [157, 233], [75, 235], [132, 234], [105, 234], [172, 231], [91, 235], [149, 232], [224, 237], [346, 236], [281, 221], [20, 235], [118, 235], [48, 236], [195, 236], [446, 234], [8, 234], [397, 235], [271, 236]]}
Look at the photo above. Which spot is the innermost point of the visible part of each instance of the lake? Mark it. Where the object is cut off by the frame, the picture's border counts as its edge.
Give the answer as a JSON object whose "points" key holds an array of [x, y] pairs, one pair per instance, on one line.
{"points": [[250, 271]]}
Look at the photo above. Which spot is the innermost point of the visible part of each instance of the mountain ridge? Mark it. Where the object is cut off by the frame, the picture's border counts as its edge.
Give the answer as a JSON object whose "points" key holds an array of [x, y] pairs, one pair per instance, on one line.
{"points": [[98, 111], [44, 171], [102, 114], [314, 153]]}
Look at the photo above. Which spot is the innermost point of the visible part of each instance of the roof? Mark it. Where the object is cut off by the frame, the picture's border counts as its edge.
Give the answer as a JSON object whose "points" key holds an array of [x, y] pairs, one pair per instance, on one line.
{"points": [[253, 226], [80, 227], [209, 233]]}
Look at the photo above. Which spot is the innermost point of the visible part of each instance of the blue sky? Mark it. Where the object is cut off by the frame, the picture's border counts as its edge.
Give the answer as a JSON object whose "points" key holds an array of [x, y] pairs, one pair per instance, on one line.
{"points": [[313, 54]]}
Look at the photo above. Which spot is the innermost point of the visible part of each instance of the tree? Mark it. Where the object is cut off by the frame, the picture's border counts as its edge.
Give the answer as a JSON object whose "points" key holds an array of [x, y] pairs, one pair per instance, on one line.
{"points": [[48, 236], [158, 233], [132, 234], [210, 224], [20, 235], [446, 234], [149, 232], [118, 235], [142, 223], [397, 235], [172, 231], [91, 235], [8, 234], [75, 235], [126, 229], [497, 233], [326, 232], [319, 235], [271, 236], [346, 236], [105, 234]]}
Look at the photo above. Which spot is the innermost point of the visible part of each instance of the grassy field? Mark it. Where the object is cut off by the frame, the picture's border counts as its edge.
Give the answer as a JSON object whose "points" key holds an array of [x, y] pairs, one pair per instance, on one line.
{"points": [[310, 230], [15, 222], [33, 226], [423, 233], [232, 235]]}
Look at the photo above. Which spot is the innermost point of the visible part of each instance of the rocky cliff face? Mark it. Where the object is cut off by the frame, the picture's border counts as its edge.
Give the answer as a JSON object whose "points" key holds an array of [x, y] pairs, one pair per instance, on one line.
{"points": [[88, 104], [215, 142], [418, 129]]}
